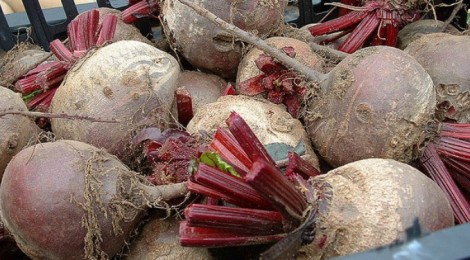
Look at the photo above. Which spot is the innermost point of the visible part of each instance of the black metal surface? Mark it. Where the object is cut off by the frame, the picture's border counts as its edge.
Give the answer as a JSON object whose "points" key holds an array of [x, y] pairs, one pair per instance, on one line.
{"points": [[311, 11], [46, 25], [7, 41]]}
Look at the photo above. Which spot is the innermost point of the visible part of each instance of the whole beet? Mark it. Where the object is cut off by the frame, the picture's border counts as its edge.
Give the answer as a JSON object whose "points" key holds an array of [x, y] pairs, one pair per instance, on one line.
{"points": [[159, 240], [70, 200], [271, 123], [248, 69], [127, 81], [19, 60], [203, 87], [370, 203], [416, 29], [208, 47], [376, 103], [445, 57], [15, 130]]}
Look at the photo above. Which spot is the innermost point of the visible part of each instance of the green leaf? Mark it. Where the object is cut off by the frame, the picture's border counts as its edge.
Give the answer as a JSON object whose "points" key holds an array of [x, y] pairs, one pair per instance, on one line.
{"points": [[213, 159], [468, 17], [31, 95], [278, 151]]}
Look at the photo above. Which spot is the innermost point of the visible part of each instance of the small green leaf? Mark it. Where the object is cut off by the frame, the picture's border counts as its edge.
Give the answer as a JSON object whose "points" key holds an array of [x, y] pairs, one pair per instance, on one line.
{"points": [[213, 159], [31, 95], [279, 151], [468, 17]]}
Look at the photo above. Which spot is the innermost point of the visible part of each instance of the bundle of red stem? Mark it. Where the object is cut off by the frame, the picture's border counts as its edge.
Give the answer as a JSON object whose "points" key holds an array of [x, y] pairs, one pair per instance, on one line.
{"points": [[377, 22], [447, 161], [140, 9], [39, 84], [281, 85], [257, 205]]}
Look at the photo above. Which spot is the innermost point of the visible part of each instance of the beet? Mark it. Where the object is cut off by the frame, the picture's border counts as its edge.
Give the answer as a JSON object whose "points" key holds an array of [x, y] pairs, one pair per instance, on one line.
{"points": [[70, 200], [203, 88], [270, 122], [416, 29], [247, 67], [159, 240], [16, 131], [128, 81], [370, 203], [445, 58], [123, 30], [18, 61], [209, 48], [376, 103]]}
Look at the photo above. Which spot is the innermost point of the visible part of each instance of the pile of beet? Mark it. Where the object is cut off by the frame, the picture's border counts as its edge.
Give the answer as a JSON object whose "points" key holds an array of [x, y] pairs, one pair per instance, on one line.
{"points": [[233, 134]]}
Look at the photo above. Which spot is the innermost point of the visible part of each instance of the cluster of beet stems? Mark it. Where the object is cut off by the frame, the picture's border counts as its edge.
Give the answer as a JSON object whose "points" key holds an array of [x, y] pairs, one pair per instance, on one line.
{"points": [[377, 22], [251, 201], [39, 85], [447, 161]]}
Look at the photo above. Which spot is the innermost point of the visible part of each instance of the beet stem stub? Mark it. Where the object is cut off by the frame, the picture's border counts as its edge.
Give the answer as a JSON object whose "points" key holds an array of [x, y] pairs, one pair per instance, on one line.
{"points": [[341, 23], [439, 173], [247, 138], [212, 237], [296, 164], [230, 150], [107, 30], [271, 183], [139, 10], [360, 34], [234, 189], [237, 220], [184, 105]]}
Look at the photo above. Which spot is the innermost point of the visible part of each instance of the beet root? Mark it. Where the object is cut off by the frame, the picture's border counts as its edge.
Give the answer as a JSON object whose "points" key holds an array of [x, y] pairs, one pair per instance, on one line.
{"points": [[159, 240], [123, 30], [203, 88], [15, 130], [270, 122], [376, 104], [248, 69], [370, 203], [127, 81], [18, 61], [208, 47], [70, 200], [416, 29], [445, 57]]}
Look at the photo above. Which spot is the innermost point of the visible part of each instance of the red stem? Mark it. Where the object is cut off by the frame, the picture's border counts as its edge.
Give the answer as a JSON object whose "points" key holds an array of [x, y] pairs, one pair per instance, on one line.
{"points": [[457, 130], [453, 148], [392, 35], [140, 9], [439, 173], [46, 76], [271, 183], [61, 51], [233, 219], [107, 30], [360, 34], [92, 22], [341, 23], [229, 90], [234, 189], [42, 101], [211, 237], [184, 105], [300, 166], [247, 138], [231, 151]]}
